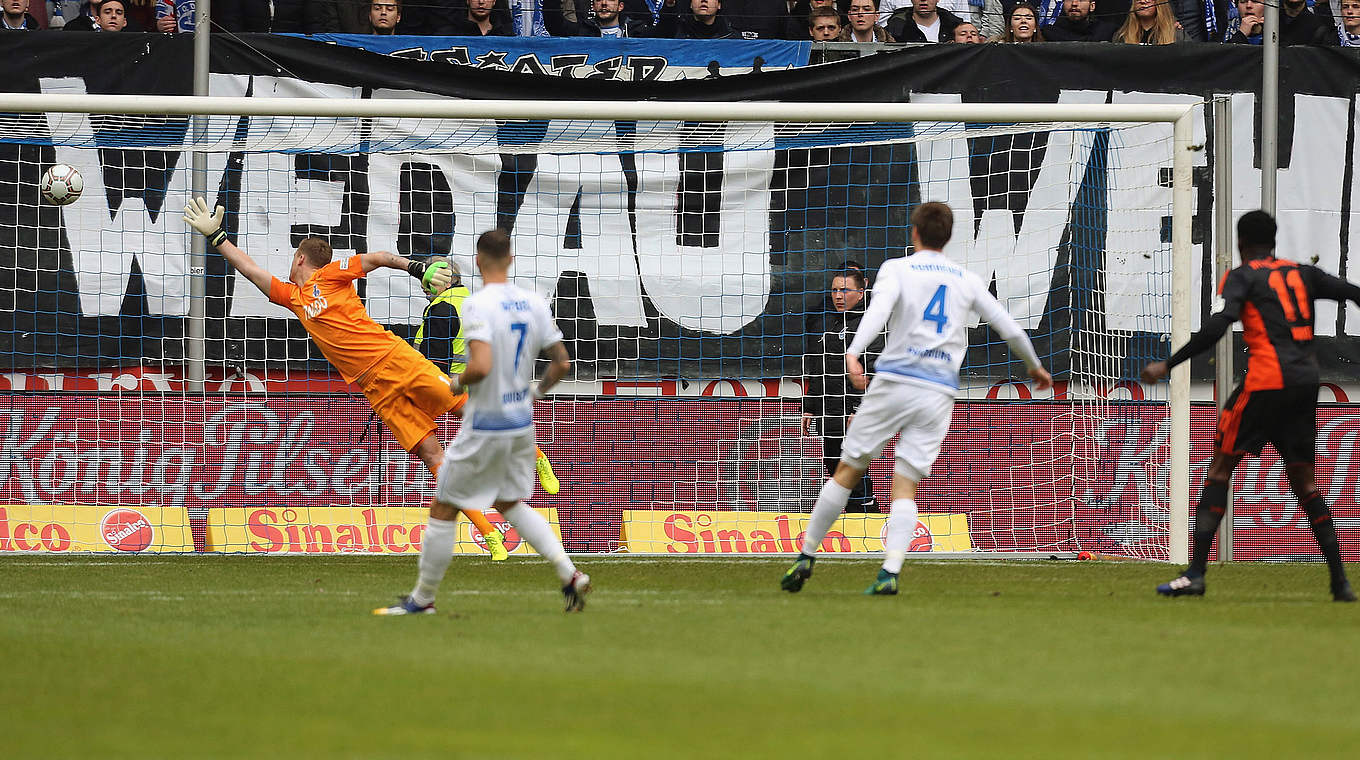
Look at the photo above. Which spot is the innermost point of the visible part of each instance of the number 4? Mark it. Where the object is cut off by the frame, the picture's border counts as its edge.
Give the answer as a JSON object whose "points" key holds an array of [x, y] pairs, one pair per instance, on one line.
{"points": [[935, 310]]}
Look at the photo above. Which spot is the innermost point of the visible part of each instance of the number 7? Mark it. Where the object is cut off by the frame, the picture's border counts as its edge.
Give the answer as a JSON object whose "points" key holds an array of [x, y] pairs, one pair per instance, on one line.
{"points": [[523, 329]]}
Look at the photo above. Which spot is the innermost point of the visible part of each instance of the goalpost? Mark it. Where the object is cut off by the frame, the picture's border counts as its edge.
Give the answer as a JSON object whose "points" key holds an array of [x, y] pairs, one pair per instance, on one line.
{"points": [[688, 249]]}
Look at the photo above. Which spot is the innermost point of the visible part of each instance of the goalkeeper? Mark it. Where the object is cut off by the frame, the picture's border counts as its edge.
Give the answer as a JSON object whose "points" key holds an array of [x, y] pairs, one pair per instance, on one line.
{"points": [[406, 391], [440, 339]]}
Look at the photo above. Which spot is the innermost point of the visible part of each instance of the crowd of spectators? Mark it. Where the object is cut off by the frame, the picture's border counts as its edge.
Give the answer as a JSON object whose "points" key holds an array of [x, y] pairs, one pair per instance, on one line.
{"points": [[1137, 22]]}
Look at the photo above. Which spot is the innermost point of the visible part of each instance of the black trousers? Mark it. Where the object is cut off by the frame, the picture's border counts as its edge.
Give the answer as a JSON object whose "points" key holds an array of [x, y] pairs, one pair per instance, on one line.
{"points": [[833, 436]]}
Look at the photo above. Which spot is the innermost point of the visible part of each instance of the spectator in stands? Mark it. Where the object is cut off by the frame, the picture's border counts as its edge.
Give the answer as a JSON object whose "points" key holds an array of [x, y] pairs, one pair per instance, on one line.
{"points": [[383, 16], [864, 23], [758, 19], [480, 18], [924, 21], [1348, 27], [17, 17], [704, 21], [227, 16], [824, 24], [830, 399], [1022, 25], [1078, 23], [967, 33], [1150, 22], [609, 21], [1247, 27], [964, 9], [1301, 26], [306, 17], [106, 16]]}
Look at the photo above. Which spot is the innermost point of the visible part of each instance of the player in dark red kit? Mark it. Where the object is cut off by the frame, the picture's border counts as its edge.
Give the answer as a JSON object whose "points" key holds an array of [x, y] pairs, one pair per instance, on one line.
{"points": [[1277, 402]]}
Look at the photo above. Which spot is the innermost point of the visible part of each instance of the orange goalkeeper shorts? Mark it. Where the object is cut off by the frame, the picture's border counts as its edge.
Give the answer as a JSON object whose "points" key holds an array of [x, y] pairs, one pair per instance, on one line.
{"points": [[408, 393]]}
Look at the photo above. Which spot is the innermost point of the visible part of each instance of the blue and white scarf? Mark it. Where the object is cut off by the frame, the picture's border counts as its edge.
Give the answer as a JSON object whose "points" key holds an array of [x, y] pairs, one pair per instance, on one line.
{"points": [[1346, 38]]}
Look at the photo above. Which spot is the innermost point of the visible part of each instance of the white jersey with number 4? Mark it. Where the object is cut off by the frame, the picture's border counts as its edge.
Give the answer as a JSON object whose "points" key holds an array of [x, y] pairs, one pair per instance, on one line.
{"points": [[518, 325], [927, 302]]}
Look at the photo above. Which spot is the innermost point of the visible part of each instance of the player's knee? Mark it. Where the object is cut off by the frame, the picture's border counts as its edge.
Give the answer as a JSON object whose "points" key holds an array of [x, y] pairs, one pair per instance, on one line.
{"points": [[857, 462], [907, 470], [1301, 479]]}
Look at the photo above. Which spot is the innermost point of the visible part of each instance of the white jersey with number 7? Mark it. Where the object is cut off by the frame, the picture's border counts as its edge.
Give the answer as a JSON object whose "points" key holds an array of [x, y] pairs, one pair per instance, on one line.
{"points": [[518, 325], [927, 301]]}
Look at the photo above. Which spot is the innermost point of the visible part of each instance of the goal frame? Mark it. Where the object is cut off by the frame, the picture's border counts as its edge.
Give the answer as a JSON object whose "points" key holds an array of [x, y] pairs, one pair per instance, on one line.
{"points": [[1179, 115]]}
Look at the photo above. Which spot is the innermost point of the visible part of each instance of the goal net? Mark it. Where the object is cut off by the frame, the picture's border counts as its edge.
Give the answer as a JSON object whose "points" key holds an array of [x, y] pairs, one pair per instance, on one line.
{"points": [[705, 266]]}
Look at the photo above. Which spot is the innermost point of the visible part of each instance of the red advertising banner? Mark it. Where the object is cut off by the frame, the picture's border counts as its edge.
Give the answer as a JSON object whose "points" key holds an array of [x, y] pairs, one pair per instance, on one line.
{"points": [[1033, 476]]}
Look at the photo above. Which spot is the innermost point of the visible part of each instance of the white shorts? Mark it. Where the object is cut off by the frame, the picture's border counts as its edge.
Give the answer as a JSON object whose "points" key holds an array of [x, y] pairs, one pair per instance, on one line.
{"points": [[480, 470], [921, 415]]}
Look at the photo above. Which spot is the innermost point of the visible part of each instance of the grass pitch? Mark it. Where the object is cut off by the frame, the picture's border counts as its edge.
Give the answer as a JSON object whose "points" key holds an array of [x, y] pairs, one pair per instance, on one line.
{"points": [[242, 657]]}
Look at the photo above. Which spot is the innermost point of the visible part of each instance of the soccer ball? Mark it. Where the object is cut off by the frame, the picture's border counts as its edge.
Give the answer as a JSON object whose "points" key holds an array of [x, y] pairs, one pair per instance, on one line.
{"points": [[61, 185]]}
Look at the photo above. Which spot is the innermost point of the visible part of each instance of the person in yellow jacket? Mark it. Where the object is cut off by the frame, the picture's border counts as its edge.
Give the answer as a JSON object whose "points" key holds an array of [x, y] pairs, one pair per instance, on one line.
{"points": [[440, 339]]}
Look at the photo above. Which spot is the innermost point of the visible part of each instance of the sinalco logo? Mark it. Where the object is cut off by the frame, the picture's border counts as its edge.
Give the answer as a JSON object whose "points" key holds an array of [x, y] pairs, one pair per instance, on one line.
{"points": [[501, 524], [921, 540], [126, 530]]}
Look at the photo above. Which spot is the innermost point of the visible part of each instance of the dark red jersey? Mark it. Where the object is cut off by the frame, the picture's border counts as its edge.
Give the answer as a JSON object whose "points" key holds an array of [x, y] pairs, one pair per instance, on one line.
{"points": [[1274, 300]]}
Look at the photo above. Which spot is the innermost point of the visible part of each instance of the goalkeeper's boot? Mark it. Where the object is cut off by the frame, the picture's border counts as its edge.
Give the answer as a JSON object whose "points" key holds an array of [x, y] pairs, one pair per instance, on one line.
{"points": [[1184, 585], [546, 477], [1341, 592], [793, 580], [407, 606], [495, 543], [574, 593], [884, 585]]}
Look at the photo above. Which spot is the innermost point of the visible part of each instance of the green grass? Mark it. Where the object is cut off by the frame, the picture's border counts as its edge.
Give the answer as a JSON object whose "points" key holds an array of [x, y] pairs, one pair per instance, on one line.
{"points": [[241, 657]]}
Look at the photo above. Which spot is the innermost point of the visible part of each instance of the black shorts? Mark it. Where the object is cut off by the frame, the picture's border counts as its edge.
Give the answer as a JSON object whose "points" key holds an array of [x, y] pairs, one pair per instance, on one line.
{"points": [[1285, 418]]}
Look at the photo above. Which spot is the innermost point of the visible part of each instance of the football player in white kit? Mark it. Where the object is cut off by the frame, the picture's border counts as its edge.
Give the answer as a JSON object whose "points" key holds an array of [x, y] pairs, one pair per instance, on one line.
{"points": [[491, 460], [926, 301]]}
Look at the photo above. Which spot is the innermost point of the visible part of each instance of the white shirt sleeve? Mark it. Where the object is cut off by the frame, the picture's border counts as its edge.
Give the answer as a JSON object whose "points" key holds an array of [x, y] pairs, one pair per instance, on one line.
{"points": [[886, 288], [475, 324], [991, 310]]}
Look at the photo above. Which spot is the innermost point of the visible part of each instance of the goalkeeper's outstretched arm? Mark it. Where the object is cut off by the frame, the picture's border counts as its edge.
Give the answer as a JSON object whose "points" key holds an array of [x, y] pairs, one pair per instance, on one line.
{"points": [[209, 223]]}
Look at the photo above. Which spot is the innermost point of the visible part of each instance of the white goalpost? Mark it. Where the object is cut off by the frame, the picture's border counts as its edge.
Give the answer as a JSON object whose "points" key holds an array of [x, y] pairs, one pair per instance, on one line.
{"points": [[688, 249]]}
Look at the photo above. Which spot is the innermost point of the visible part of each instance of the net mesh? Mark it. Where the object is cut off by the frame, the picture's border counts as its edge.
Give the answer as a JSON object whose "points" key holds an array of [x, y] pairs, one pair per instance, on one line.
{"points": [[695, 270]]}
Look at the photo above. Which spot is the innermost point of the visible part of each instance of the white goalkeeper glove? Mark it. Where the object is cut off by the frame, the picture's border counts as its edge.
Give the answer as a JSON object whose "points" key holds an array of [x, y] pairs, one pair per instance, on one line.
{"points": [[435, 278], [208, 223]]}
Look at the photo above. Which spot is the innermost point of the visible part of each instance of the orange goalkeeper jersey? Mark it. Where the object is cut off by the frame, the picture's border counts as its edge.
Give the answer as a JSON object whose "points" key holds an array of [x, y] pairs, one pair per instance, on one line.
{"points": [[330, 309]]}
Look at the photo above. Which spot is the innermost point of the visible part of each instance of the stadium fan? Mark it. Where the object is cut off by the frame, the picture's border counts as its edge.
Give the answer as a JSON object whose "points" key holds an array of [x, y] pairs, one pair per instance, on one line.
{"points": [[930, 301], [404, 388], [1022, 25], [924, 21], [1298, 24], [824, 24], [863, 15], [491, 459], [440, 339], [758, 19], [383, 16], [1348, 26], [106, 16], [1079, 23], [703, 21], [474, 18], [17, 17], [967, 33], [1277, 401], [306, 17], [1150, 22], [609, 20]]}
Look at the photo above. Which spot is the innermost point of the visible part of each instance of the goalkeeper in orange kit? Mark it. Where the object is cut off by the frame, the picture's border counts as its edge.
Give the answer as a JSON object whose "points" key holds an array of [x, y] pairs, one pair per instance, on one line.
{"points": [[406, 391]]}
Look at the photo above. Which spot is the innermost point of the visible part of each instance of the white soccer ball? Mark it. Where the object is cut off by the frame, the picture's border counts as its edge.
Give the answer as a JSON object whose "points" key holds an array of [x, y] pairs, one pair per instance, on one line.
{"points": [[61, 184]]}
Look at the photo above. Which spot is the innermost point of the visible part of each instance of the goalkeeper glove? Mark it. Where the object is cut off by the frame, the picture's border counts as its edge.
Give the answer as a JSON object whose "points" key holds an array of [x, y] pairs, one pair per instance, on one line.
{"points": [[434, 278], [208, 223]]}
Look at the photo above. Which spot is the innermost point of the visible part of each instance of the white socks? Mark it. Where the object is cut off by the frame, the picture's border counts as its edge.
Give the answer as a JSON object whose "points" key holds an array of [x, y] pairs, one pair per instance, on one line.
{"points": [[901, 526], [536, 530], [830, 504], [436, 552]]}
